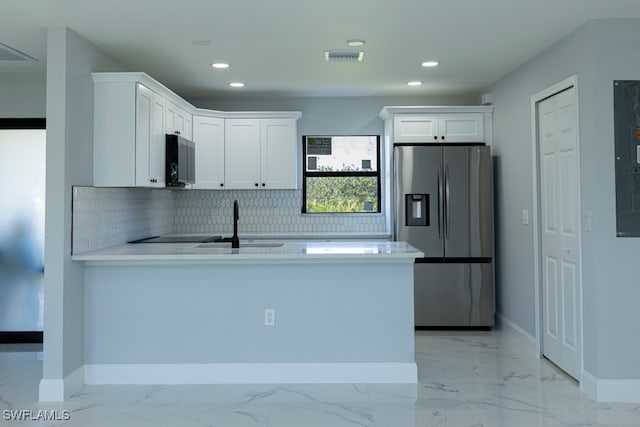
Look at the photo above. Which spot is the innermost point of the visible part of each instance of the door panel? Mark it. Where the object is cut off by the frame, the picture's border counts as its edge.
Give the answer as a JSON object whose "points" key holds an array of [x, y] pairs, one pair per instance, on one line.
{"points": [[418, 171], [560, 237], [569, 300], [468, 202], [551, 292], [448, 294], [461, 127], [242, 154], [415, 128]]}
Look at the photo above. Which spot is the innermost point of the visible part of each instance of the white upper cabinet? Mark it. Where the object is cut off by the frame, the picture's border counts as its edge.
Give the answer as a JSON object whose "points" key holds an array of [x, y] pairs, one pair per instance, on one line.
{"points": [[150, 138], [445, 127], [208, 137], [178, 121], [234, 150], [415, 128], [260, 153], [242, 154], [128, 148], [279, 154], [461, 127]]}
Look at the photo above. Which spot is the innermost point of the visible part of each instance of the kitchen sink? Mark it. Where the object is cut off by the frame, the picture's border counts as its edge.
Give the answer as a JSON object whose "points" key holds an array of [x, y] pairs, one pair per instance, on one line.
{"points": [[242, 245]]}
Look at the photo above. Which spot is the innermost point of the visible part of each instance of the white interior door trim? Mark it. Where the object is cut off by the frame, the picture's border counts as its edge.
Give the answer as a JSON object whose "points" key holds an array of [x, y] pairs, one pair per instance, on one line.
{"points": [[537, 262]]}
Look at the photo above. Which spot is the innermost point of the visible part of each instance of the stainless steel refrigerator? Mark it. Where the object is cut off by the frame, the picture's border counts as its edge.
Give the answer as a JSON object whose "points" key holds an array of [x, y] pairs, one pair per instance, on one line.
{"points": [[444, 206]]}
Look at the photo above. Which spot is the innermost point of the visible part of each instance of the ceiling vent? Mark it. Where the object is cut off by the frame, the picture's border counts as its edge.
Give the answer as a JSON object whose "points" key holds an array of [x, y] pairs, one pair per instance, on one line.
{"points": [[343, 55], [7, 53]]}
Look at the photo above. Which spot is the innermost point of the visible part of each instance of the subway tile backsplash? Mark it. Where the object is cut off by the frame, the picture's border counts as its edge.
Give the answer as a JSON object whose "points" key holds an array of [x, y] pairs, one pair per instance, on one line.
{"points": [[105, 217]]}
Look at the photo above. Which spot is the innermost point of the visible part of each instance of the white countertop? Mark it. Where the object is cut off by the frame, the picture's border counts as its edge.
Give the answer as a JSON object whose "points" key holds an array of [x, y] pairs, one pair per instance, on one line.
{"points": [[312, 251]]}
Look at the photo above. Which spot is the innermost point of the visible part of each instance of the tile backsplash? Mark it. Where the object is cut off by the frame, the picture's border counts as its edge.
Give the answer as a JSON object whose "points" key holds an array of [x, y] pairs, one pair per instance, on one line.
{"points": [[105, 217], [263, 211]]}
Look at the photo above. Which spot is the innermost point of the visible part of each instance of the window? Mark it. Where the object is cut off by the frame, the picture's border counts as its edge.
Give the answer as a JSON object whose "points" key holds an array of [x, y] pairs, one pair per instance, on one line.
{"points": [[341, 174]]}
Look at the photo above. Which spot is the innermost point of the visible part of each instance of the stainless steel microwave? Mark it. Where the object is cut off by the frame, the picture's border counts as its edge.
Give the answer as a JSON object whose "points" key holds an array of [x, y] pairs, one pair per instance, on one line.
{"points": [[180, 161]]}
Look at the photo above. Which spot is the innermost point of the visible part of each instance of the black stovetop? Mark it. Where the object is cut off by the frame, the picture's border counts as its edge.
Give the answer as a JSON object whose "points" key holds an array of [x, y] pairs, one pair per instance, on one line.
{"points": [[178, 239]]}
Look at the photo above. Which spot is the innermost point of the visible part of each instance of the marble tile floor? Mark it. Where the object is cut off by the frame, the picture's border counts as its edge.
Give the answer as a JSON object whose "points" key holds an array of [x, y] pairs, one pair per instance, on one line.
{"points": [[466, 379]]}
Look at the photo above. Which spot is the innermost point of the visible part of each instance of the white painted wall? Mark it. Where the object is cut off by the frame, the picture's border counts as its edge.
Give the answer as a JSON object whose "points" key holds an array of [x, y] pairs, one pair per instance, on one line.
{"points": [[599, 52], [71, 59], [23, 95]]}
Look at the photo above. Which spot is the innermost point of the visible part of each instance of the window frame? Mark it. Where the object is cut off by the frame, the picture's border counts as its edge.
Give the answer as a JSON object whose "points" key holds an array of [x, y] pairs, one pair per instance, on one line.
{"points": [[327, 174]]}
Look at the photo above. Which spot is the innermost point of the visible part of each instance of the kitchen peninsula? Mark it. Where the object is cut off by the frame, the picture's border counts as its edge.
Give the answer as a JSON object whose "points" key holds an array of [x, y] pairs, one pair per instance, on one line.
{"points": [[287, 312]]}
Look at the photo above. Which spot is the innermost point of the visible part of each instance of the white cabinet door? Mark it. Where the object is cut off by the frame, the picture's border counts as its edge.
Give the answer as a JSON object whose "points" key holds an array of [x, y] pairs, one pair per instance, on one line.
{"points": [[415, 128], [177, 121], [279, 154], [242, 154], [461, 127], [150, 138], [451, 127], [188, 126], [208, 136]]}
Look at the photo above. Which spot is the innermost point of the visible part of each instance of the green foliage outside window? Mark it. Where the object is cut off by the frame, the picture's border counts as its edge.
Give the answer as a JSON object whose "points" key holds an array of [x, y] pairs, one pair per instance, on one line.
{"points": [[341, 174], [342, 194]]}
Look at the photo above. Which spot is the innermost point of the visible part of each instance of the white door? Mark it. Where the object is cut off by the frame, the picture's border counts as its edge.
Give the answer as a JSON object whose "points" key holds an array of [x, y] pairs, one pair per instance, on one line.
{"points": [[461, 127], [279, 154], [150, 138], [208, 136], [415, 128], [560, 249], [242, 154]]}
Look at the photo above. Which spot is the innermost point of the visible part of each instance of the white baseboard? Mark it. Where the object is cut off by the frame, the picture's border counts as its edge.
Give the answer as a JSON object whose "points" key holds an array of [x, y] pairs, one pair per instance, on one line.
{"points": [[622, 391], [517, 334], [58, 390], [251, 373]]}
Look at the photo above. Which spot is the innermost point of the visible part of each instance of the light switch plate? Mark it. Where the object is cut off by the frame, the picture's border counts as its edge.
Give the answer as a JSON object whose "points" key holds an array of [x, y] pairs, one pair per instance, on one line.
{"points": [[525, 217]]}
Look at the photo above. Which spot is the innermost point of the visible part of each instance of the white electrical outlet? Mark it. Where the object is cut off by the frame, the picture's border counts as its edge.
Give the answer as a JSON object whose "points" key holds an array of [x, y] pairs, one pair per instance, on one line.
{"points": [[269, 317], [588, 220]]}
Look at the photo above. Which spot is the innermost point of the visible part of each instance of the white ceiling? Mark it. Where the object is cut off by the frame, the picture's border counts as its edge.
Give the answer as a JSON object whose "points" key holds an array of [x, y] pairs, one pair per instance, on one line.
{"points": [[277, 46]]}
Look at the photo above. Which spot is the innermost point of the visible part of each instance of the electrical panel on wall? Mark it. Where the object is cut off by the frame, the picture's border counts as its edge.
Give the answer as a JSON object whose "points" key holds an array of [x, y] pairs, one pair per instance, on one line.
{"points": [[626, 111]]}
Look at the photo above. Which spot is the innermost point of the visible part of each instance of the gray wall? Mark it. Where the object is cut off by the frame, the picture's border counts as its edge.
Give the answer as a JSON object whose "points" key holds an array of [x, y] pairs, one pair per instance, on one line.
{"points": [[69, 163], [23, 95], [330, 115], [598, 52], [217, 315]]}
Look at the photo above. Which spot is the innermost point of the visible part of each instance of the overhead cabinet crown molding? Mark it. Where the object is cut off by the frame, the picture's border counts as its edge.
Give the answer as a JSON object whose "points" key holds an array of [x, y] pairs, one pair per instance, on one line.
{"points": [[133, 113]]}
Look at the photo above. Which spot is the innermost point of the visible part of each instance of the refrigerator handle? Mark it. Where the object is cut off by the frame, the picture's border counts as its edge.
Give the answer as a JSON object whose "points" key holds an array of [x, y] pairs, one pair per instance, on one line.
{"points": [[446, 202], [439, 205]]}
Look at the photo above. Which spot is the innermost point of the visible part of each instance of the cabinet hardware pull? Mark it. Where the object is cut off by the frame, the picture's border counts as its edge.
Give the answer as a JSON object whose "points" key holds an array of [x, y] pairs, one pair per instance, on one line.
{"points": [[264, 185], [435, 137], [221, 184], [256, 184]]}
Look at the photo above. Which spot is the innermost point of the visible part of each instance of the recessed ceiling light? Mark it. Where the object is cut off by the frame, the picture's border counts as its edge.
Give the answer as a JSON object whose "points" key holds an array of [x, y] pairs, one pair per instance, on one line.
{"points": [[355, 42], [414, 83], [236, 84], [430, 64], [220, 65]]}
